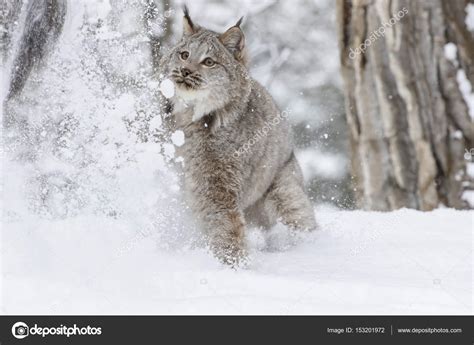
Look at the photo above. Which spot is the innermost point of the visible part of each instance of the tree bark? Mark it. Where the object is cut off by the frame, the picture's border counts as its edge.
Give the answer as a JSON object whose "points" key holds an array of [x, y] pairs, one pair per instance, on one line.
{"points": [[409, 123], [43, 24]]}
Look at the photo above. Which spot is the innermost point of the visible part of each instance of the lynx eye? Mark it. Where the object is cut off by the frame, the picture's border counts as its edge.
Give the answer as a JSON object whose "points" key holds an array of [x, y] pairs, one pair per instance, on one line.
{"points": [[184, 55], [208, 62]]}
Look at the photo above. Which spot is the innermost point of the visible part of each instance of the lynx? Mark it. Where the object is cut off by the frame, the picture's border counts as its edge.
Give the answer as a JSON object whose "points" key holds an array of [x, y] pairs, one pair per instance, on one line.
{"points": [[239, 164]]}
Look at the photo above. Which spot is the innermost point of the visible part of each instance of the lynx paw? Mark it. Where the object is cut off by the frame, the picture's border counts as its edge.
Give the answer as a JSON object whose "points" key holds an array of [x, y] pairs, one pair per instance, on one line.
{"points": [[235, 256]]}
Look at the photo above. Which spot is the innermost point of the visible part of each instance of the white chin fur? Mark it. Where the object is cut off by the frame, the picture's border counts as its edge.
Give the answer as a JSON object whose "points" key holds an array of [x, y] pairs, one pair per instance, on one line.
{"points": [[198, 100], [189, 95]]}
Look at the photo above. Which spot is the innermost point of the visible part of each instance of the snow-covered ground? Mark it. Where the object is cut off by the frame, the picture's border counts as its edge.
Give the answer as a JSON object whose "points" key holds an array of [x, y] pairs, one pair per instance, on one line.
{"points": [[403, 262]]}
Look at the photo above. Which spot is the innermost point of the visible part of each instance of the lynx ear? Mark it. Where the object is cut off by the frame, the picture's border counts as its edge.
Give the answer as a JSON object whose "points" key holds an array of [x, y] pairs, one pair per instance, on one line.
{"points": [[234, 40], [189, 27]]}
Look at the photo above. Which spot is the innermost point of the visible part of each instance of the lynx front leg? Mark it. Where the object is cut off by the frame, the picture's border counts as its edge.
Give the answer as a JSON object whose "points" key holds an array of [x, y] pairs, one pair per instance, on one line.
{"points": [[216, 207], [226, 230], [287, 200]]}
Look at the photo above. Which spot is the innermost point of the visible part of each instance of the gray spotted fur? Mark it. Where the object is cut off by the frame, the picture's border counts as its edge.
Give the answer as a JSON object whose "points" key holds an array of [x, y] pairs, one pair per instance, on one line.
{"points": [[220, 109]]}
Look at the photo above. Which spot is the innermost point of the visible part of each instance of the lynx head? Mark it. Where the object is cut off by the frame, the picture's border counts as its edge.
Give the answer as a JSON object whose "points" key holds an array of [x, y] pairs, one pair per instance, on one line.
{"points": [[208, 68]]}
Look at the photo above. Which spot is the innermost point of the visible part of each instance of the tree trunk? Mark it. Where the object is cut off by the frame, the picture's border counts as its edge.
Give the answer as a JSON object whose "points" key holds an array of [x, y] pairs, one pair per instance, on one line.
{"points": [[158, 11], [43, 24], [409, 123]]}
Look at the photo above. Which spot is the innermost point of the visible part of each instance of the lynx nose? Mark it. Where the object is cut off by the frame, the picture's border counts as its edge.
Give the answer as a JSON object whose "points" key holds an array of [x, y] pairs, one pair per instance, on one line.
{"points": [[185, 72]]}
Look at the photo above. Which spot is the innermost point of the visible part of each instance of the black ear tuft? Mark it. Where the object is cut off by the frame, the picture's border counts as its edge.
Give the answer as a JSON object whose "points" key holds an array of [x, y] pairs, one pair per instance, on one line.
{"points": [[239, 22], [186, 14], [188, 26]]}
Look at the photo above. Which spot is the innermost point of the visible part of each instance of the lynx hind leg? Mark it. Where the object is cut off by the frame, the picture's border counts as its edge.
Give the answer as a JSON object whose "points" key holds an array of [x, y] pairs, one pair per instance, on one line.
{"points": [[288, 201], [259, 216]]}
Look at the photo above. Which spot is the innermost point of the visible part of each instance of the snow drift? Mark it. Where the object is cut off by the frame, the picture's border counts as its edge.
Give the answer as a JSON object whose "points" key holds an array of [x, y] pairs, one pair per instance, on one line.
{"points": [[403, 262]]}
